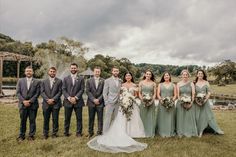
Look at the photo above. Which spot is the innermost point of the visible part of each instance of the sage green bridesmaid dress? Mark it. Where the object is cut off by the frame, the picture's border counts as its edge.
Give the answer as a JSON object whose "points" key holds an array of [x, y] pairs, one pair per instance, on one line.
{"points": [[148, 114], [185, 119], [166, 118], [204, 116]]}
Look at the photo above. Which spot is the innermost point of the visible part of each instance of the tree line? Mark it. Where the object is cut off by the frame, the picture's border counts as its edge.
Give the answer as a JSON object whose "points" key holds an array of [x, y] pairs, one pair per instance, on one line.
{"points": [[62, 51]]}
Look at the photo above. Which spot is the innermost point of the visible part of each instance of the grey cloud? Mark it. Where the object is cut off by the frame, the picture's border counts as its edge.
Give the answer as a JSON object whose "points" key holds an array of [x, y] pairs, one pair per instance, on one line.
{"points": [[184, 30]]}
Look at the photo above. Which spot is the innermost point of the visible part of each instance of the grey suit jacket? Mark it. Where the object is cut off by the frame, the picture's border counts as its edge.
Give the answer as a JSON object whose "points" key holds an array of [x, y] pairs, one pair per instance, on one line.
{"points": [[111, 92], [24, 94], [69, 90], [51, 93], [94, 93]]}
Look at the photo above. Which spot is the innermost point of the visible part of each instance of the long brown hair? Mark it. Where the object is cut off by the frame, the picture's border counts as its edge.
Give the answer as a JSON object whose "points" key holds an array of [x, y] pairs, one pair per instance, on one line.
{"points": [[204, 75], [162, 77], [152, 77]]}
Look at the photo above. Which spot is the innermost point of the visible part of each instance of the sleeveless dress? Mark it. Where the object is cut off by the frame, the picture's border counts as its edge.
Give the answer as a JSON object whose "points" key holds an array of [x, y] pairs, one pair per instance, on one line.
{"points": [[166, 118], [135, 126], [148, 113], [204, 114], [185, 119], [116, 139]]}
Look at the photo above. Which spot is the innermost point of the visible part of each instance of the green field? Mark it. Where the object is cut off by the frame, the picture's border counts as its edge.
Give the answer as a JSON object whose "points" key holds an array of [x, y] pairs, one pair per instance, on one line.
{"points": [[207, 146]]}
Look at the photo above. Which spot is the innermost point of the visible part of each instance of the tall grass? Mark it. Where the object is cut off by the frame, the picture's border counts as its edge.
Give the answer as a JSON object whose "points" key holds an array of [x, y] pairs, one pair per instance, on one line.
{"points": [[207, 146]]}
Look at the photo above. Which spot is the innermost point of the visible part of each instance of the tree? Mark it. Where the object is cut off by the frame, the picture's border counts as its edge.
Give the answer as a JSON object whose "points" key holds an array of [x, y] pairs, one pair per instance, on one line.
{"points": [[61, 54], [225, 71]]}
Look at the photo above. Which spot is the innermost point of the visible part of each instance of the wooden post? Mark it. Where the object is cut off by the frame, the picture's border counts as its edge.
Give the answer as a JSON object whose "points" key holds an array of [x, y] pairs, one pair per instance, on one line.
{"points": [[18, 69], [1, 75]]}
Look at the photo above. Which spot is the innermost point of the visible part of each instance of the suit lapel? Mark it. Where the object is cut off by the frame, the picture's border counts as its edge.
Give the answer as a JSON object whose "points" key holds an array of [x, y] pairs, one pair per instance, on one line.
{"points": [[93, 83], [99, 82]]}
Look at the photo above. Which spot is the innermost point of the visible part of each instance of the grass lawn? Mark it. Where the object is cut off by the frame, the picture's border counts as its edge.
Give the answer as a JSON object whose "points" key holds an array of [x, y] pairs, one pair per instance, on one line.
{"points": [[228, 89], [207, 146]]}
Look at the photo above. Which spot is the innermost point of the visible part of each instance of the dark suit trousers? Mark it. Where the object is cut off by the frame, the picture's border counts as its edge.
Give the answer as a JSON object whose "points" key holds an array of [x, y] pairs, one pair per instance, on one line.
{"points": [[24, 114], [78, 114], [47, 114], [92, 110]]}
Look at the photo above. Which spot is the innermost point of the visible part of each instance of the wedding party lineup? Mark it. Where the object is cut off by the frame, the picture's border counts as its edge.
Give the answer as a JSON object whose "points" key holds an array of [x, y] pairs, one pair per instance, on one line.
{"points": [[123, 110]]}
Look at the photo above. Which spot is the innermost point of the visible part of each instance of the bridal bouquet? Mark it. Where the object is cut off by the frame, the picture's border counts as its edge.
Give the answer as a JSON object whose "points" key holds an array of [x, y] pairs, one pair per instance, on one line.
{"points": [[168, 103], [200, 99], [186, 102], [127, 101], [147, 99]]}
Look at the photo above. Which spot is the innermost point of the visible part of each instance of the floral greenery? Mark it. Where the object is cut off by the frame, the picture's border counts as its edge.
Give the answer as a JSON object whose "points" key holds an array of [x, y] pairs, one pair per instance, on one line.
{"points": [[186, 102], [168, 103], [127, 101], [200, 99], [147, 99]]}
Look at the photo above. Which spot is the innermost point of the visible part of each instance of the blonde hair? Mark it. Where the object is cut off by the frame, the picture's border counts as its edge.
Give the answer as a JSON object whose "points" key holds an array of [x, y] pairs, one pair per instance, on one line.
{"points": [[185, 70]]}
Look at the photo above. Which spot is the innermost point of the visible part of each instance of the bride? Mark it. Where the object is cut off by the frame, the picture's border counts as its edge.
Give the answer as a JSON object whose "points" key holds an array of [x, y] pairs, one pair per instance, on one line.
{"points": [[118, 137]]}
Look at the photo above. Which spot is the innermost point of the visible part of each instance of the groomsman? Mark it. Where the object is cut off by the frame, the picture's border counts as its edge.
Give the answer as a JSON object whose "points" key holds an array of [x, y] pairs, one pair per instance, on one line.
{"points": [[51, 92], [111, 93], [28, 90], [95, 102], [73, 89]]}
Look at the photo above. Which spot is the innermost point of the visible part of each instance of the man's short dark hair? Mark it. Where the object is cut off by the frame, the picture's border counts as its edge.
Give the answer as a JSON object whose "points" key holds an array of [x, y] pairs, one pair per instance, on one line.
{"points": [[29, 67], [53, 68], [114, 67], [74, 64], [97, 67]]}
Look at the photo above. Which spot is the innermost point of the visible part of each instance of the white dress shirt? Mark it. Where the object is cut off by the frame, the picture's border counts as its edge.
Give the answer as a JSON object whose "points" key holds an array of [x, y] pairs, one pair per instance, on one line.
{"points": [[116, 79], [52, 80], [73, 76], [96, 81], [28, 82]]}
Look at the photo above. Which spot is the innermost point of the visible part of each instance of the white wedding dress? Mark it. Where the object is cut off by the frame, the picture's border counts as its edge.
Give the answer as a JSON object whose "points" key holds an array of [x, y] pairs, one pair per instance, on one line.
{"points": [[118, 137]]}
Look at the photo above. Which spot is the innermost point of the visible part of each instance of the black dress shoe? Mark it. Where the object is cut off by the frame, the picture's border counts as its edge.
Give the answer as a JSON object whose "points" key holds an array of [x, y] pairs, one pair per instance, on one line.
{"points": [[78, 135], [66, 134], [45, 137], [90, 135], [31, 138], [20, 139], [99, 133], [54, 136]]}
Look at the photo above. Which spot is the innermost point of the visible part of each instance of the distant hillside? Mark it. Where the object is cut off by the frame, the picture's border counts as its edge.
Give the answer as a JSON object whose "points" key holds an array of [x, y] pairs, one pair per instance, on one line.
{"points": [[5, 38]]}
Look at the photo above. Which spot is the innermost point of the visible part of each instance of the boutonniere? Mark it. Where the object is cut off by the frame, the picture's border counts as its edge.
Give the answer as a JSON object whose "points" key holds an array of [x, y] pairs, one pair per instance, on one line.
{"points": [[120, 80], [54, 81], [100, 80], [76, 78]]}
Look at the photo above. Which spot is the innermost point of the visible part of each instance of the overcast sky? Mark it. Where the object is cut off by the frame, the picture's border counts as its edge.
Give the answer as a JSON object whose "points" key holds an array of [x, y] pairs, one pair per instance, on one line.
{"points": [[150, 31]]}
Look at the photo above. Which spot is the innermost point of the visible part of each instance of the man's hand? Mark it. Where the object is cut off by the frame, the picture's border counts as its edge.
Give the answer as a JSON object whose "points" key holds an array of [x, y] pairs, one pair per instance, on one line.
{"points": [[50, 101], [26, 103], [96, 102], [72, 100]]}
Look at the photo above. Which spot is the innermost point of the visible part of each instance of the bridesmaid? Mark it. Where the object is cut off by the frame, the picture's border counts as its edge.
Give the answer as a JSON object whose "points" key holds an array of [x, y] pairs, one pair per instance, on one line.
{"points": [[185, 118], [166, 118], [204, 115], [147, 111]]}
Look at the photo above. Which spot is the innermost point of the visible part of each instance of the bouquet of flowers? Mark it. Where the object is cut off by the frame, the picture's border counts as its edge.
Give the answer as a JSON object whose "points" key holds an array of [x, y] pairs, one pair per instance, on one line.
{"points": [[168, 103], [127, 101], [147, 99], [186, 102], [200, 99]]}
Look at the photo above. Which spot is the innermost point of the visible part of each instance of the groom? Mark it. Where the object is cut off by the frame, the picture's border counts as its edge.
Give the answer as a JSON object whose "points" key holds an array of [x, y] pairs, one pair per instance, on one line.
{"points": [[111, 93]]}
